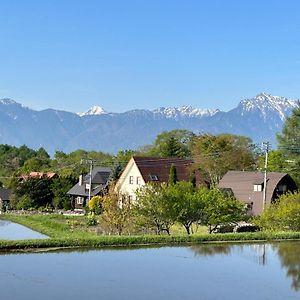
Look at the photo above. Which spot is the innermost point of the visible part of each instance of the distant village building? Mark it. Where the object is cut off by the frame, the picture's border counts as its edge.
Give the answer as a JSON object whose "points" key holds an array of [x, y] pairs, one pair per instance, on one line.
{"points": [[5, 195], [248, 187], [49, 175], [141, 170], [79, 193]]}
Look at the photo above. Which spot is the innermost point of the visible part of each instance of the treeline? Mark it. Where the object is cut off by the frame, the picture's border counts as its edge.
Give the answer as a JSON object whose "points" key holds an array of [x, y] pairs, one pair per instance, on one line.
{"points": [[213, 156]]}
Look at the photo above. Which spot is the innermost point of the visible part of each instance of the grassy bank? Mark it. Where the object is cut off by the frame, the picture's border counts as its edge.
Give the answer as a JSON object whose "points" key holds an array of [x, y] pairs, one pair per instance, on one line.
{"points": [[70, 232]]}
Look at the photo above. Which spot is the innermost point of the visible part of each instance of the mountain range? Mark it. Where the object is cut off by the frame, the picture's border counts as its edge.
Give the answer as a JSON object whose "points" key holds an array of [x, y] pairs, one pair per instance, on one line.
{"points": [[259, 118]]}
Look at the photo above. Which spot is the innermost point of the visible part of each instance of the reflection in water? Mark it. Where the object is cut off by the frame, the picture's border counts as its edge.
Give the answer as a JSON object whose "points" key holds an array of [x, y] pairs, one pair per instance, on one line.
{"points": [[210, 272], [258, 252], [211, 249], [289, 254]]}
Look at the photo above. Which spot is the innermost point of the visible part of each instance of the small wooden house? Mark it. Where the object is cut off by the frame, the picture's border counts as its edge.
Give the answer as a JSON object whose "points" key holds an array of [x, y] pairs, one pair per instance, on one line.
{"points": [[80, 192]]}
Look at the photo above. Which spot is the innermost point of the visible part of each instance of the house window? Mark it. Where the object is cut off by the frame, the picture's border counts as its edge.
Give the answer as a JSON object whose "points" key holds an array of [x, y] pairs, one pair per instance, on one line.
{"points": [[130, 198], [248, 207], [153, 177], [79, 200], [282, 188], [257, 188], [138, 180], [130, 179]]}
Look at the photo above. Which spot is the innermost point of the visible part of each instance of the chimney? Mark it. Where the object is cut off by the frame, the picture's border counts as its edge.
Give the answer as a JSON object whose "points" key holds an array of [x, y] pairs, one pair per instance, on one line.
{"points": [[80, 180]]}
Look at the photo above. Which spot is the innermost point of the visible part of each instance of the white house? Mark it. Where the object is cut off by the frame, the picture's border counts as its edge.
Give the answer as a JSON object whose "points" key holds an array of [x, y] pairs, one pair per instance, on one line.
{"points": [[141, 170]]}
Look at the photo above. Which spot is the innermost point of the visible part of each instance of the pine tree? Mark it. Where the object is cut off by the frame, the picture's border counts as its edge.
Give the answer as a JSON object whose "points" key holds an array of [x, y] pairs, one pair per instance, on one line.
{"points": [[172, 175]]}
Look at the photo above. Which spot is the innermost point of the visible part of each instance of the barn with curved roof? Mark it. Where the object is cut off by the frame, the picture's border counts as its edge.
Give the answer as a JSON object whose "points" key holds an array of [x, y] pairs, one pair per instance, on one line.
{"points": [[249, 187]]}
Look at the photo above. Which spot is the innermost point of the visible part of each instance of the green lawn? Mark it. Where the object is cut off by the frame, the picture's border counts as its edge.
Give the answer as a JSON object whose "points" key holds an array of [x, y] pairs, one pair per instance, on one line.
{"points": [[73, 232]]}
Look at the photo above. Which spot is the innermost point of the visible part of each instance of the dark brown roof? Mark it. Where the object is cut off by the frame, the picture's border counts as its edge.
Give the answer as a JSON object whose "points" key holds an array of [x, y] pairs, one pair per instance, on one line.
{"points": [[157, 169]]}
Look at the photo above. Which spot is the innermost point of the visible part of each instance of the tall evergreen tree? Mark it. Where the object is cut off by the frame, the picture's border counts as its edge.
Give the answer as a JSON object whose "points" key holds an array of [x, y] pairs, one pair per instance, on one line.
{"points": [[172, 175], [289, 143]]}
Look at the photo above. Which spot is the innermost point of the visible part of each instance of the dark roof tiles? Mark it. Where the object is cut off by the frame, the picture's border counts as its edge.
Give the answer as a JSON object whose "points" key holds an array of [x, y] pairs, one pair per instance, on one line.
{"points": [[158, 169]]}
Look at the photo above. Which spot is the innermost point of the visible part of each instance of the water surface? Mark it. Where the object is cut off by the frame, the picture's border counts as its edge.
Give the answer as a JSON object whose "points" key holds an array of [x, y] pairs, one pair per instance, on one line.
{"points": [[14, 231], [208, 272]]}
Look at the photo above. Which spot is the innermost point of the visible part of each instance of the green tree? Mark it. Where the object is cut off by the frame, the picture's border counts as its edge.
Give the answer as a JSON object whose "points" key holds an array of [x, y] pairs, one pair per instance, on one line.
{"points": [[288, 144], [152, 208], [42, 153], [277, 162], [284, 214], [12, 159], [37, 190], [116, 212], [215, 155], [175, 143], [60, 186], [192, 178], [221, 209], [36, 164], [186, 205], [173, 175]]}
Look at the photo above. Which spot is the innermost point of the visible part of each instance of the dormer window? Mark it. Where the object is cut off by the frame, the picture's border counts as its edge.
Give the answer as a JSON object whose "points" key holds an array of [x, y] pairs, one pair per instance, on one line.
{"points": [[257, 187], [153, 177]]}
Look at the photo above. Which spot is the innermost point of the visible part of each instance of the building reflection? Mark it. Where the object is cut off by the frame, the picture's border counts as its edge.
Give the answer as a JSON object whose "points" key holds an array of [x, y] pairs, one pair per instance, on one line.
{"points": [[288, 254]]}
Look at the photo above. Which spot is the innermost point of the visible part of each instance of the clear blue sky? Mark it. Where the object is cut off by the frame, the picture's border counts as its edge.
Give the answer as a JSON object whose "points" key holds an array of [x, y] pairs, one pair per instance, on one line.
{"points": [[130, 54]]}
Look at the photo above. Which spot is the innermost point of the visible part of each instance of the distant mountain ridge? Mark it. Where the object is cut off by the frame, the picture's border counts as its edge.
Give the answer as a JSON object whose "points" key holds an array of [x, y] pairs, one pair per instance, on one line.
{"points": [[260, 118]]}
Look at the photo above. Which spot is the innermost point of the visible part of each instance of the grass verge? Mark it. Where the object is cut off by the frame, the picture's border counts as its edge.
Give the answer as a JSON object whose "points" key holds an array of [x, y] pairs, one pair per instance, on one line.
{"points": [[65, 233]]}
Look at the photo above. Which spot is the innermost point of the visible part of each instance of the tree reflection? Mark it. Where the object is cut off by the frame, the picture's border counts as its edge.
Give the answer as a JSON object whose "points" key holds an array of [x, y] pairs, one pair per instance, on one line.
{"points": [[211, 249], [289, 254]]}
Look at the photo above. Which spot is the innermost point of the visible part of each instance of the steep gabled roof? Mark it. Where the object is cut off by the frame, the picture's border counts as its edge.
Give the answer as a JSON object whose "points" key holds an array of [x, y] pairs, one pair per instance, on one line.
{"points": [[100, 175], [156, 169], [100, 178]]}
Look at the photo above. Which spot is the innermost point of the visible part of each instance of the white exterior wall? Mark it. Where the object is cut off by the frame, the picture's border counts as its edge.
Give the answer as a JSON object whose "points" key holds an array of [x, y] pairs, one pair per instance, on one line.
{"points": [[125, 187]]}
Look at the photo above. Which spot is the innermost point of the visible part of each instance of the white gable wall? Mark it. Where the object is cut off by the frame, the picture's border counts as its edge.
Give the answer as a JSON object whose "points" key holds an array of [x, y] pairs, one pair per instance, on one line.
{"points": [[130, 182]]}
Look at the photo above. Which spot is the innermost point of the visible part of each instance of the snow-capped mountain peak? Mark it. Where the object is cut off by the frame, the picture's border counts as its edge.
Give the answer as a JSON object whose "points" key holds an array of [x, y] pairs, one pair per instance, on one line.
{"points": [[95, 110], [185, 111], [266, 103], [7, 101]]}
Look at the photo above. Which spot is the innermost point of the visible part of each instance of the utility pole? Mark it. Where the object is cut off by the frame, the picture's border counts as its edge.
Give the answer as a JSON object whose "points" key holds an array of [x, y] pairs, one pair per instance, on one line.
{"points": [[266, 146], [90, 161]]}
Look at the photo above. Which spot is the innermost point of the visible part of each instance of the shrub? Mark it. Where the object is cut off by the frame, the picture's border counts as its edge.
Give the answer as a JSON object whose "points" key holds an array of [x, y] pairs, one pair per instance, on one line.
{"points": [[24, 202], [91, 219], [95, 205], [284, 214]]}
